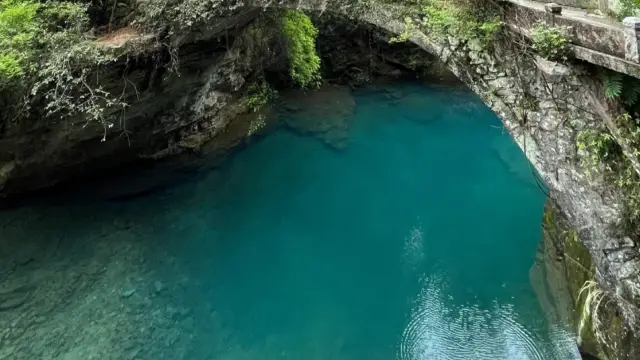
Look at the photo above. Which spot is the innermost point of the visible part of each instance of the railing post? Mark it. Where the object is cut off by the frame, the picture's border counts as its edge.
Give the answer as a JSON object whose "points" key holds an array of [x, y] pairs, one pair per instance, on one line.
{"points": [[552, 9], [631, 36]]}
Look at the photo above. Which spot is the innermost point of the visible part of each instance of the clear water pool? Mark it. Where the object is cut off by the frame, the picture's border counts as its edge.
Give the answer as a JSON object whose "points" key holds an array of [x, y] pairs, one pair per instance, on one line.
{"points": [[413, 242]]}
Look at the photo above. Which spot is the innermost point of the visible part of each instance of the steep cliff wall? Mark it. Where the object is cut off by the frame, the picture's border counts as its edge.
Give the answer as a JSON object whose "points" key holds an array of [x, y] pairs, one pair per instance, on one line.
{"points": [[169, 112]]}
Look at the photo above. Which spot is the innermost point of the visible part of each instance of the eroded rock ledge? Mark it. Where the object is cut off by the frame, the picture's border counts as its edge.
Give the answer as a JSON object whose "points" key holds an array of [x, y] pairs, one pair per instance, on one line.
{"points": [[168, 113]]}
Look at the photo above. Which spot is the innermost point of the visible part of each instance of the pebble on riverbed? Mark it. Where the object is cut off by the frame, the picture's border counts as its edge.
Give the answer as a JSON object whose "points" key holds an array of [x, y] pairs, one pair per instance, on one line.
{"points": [[158, 286], [128, 293]]}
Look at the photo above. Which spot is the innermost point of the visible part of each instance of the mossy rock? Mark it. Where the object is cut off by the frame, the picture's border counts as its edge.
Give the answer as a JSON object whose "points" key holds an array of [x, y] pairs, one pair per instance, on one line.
{"points": [[602, 331]]}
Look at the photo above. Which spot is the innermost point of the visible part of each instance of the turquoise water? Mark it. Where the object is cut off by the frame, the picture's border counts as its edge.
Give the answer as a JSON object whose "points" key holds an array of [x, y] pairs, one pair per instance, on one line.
{"points": [[414, 242]]}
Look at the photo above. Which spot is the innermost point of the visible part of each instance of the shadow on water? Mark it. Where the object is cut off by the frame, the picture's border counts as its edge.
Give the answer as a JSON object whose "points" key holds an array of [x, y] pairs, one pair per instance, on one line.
{"points": [[413, 242]]}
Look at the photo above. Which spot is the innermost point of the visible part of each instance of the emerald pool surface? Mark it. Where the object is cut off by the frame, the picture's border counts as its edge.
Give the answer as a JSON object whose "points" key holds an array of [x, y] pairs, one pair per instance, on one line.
{"points": [[413, 241]]}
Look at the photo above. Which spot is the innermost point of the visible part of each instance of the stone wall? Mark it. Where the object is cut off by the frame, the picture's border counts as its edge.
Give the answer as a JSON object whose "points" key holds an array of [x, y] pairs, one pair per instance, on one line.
{"points": [[584, 4]]}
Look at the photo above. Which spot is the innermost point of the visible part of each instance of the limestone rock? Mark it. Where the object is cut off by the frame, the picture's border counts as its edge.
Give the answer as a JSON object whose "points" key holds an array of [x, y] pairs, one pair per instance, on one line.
{"points": [[128, 293], [553, 69]]}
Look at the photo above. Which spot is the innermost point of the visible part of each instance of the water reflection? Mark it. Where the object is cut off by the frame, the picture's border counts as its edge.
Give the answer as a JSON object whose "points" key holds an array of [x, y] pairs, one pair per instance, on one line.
{"points": [[438, 330]]}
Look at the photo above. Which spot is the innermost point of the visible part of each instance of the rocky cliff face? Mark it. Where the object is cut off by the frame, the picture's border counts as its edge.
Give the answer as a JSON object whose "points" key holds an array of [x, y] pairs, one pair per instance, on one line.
{"points": [[199, 109], [171, 113]]}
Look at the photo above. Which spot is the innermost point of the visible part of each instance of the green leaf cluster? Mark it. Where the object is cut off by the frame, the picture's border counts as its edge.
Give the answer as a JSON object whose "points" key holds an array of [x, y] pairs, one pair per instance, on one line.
{"points": [[550, 42], [47, 63], [260, 94], [619, 86], [300, 40], [464, 19], [627, 8], [599, 152], [26, 33], [612, 82], [601, 155], [256, 125]]}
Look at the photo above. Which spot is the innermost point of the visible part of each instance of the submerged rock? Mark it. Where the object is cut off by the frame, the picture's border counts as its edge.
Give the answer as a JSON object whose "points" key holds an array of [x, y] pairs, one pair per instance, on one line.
{"points": [[325, 113], [158, 286], [128, 293]]}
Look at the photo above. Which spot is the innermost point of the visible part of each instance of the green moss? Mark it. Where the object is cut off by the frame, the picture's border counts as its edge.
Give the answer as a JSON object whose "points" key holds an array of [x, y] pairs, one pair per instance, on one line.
{"points": [[300, 37], [602, 330]]}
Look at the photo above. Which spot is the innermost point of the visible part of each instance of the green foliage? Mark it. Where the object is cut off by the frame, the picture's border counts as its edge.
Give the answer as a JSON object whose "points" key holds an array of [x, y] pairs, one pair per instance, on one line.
{"points": [[612, 82], [9, 67], [464, 19], [552, 43], [26, 28], [181, 15], [599, 151], [259, 95], [69, 82], [46, 60], [600, 154], [631, 91], [404, 35], [18, 29], [256, 125], [300, 39], [627, 8], [619, 86], [627, 178]]}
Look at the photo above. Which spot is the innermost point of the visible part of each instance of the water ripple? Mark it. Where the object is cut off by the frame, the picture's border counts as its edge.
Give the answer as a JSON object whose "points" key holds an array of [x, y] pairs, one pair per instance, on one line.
{"points": [[413, 252], [436, 331]]}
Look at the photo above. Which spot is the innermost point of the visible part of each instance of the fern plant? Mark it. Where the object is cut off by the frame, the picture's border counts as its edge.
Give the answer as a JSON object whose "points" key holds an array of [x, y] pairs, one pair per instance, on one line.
{"points": [[631, 91], [619, 86], [612, 82]]}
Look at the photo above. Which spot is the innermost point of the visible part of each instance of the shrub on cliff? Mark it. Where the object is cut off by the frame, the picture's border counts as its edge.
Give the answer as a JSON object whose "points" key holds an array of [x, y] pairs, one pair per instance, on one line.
{"points": [[47, 66], [552, 43], [32, 34], [29, 30], [464, 19], [300, 42]]}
